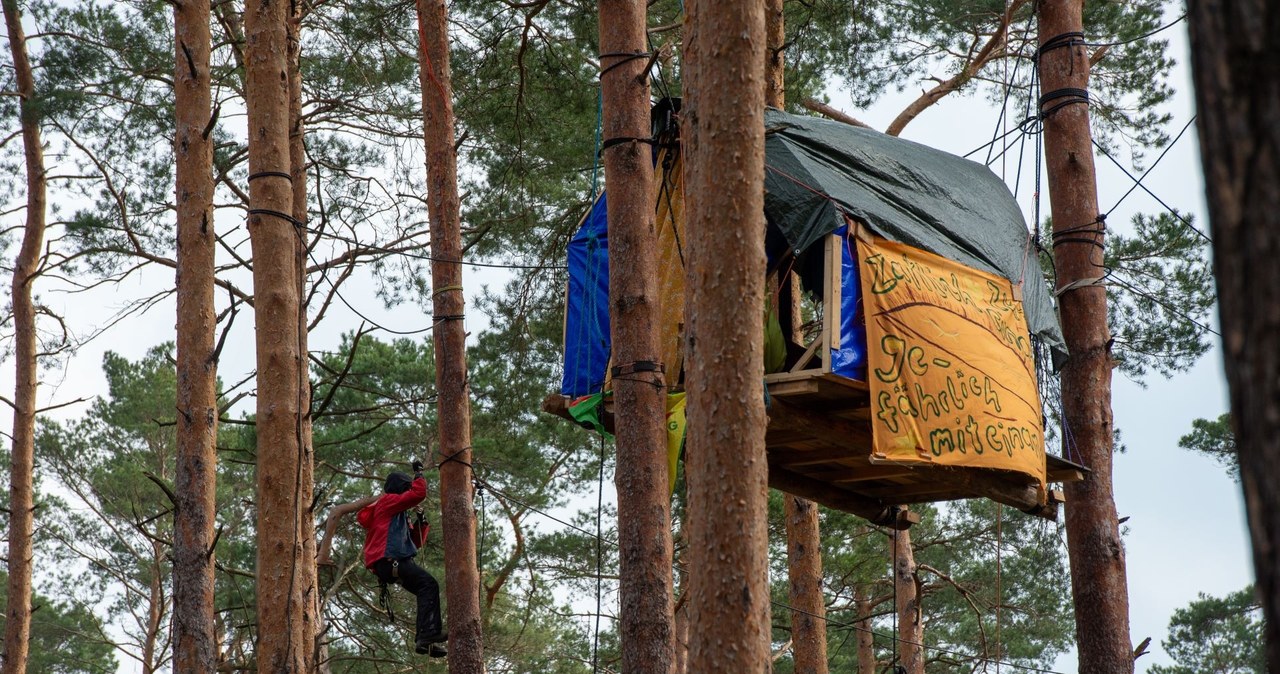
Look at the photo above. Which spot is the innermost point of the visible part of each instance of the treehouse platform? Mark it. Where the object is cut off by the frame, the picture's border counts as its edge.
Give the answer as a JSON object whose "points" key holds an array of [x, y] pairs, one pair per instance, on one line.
{"points": [[819, 447]]}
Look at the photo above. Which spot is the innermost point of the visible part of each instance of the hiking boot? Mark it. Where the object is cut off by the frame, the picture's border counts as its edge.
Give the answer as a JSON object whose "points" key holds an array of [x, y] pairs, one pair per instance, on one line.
{"points": [[425, 644], [437, 651], [438, 637]]}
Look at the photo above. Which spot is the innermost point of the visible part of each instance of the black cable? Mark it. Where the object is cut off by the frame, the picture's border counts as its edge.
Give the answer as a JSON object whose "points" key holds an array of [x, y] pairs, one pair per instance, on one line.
{"points": [[1167, 207], [1140, 37], [626, 57], [1154, 164], [270, 174]]}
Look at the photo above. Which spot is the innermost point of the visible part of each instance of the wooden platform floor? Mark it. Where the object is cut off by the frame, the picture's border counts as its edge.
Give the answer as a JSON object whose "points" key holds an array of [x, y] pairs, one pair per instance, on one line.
{"points": [[819, 447]]}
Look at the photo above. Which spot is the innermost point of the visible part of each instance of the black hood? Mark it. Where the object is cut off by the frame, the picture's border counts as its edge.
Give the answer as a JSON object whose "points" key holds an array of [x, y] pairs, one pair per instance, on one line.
{"points": [[397, 483]]}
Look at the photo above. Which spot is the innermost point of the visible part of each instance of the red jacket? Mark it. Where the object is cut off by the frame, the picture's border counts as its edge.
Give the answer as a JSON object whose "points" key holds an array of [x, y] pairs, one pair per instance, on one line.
{"points": [[388, 533]]}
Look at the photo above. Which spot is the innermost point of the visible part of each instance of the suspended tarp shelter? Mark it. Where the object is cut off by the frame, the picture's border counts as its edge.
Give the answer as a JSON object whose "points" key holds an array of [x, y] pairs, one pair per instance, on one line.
{"points": [[819, 172], [916, 378]]}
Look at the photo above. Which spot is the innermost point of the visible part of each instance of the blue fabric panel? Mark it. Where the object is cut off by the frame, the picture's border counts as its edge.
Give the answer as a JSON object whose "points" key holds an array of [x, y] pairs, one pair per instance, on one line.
{"points": [[850, 360], [586, 330]]}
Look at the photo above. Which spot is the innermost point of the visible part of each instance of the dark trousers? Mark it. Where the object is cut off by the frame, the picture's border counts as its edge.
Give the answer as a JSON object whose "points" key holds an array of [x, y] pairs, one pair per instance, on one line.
{"points": [[416, 580]]}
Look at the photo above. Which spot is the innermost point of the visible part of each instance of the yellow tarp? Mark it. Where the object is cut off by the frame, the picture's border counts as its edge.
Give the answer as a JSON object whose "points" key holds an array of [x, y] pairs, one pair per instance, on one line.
{"points": [[951, 369], [675, 435], [669, 223]]}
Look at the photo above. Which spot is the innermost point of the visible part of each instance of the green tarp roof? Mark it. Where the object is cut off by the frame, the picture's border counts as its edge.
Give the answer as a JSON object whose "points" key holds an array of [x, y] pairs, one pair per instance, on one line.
{"points": [[906, 192]]}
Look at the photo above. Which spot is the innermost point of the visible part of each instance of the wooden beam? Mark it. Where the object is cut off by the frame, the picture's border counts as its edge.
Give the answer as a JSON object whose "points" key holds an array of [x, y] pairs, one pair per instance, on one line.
{"points": [[1067, 475], [972, 482], [832, 430], [791, 458], [808, 356], [786, 389], [869, 509], [863, 474]]}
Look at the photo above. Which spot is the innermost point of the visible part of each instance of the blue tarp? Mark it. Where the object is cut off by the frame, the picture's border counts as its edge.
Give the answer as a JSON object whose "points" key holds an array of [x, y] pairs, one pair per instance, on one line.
{"points": [[850, 360], [586, 325]]}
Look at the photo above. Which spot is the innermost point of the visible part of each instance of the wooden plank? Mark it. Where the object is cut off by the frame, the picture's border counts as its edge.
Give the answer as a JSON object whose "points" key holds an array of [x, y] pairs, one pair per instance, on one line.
{"points": [[826, 454], [852, 384], [1068, 475], [787, 389], [871, 510], [865, 473], [832, 430], [807, 356], [831, 300]]}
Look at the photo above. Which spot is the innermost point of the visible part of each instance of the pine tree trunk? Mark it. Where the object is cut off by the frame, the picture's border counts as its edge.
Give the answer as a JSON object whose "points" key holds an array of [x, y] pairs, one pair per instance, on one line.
{"points": [[907, 599], [313, 618], [680, 641], [644, 502], [17, 631], [281, 639], [804, 545], [1233, 47], [1099, 587], [804, 563], [462, 577], [866, 638], [727, 469], [195, 641]]}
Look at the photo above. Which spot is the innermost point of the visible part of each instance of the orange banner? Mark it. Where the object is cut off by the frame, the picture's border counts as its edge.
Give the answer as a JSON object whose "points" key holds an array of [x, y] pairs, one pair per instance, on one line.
{"points": [[950, 364]]}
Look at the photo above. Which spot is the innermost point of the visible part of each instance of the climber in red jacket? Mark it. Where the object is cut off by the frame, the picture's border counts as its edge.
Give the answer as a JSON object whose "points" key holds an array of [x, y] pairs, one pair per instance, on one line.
{"points": [[390, 543]]}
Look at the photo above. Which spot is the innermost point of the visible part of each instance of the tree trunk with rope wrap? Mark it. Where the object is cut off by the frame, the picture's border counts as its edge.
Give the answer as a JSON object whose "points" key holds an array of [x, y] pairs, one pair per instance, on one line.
{"points": [[195, 639], [313, 618], [457, 514], [17, 629], [639, 386], [282, 642], [727, 469], [1099, 587], [1233, 47]]}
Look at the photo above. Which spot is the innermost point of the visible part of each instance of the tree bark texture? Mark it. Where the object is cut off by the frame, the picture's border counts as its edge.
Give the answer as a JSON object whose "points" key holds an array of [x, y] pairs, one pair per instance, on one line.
{"points": [[462, 577], [195, 641], [775, 91], [17, 632], [1099, 587], [680, 641], [644, 501], [866, 637], [907, 604], [281, 639], [727, 469], [1233, 47], [313, 617], [804, 564], [804, 545]]}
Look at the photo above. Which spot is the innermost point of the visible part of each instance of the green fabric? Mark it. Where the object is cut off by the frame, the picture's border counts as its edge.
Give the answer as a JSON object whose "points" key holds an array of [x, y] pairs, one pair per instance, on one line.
{"points": [[775, 345], [587, 411], [818, 171]]}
